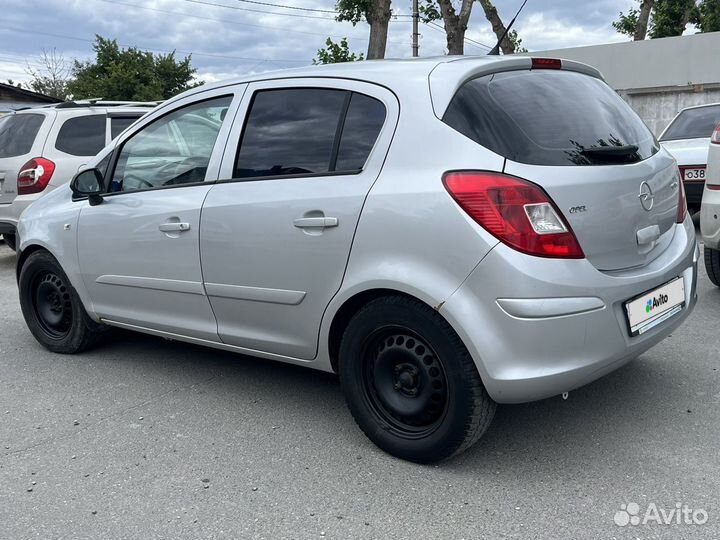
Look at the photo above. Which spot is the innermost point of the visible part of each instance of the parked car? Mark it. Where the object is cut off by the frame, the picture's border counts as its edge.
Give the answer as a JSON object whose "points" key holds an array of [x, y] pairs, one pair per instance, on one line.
{"points": [[42, 148], [710, 212], [687, 138], [445, 234]]}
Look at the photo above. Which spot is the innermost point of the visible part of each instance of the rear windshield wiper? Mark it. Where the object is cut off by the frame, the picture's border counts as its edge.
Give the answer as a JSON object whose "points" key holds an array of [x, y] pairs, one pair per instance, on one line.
{"points": [[610, 151]]}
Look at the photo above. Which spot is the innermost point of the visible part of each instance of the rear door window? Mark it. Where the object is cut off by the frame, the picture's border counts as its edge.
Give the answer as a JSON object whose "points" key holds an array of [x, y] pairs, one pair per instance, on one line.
{"points": [[550, 117], [363, 122], [17, 133], [118, 124], [82, 135], [306, 131], [693, 124]]}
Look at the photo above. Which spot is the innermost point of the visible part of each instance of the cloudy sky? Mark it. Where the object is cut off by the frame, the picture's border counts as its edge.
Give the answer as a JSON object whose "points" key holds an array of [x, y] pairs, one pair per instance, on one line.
{"points": [[230, 37]]}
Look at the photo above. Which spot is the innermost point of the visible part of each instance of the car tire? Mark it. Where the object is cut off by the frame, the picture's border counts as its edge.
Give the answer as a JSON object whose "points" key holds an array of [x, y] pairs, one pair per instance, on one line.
{"points": [[10, 241], [52, 308], [410, 383], [712, 265]]}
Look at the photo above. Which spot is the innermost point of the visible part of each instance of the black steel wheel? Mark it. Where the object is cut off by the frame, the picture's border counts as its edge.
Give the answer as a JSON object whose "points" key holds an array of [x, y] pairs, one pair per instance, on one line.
{"points": [[405, 381], [52, 308], [410, 383]]}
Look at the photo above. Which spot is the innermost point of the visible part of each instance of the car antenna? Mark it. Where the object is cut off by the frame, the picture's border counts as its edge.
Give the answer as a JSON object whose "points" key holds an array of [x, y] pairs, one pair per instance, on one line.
{"points": [[495, 51]]}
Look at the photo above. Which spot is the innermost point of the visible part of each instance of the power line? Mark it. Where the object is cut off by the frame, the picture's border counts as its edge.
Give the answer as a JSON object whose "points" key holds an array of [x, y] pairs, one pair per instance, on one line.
{"points": [[179, 13], [290, 7], [75, 38], [469, 41], [238, 8]]}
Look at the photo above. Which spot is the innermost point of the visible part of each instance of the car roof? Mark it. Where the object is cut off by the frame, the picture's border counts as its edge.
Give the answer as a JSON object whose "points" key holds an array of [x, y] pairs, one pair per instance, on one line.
{"points": [[699, 106], [399, 74]]}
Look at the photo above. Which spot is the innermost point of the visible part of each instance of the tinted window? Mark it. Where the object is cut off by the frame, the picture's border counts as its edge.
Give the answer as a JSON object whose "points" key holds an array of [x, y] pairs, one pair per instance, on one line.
{"points": [[17, 133], [82, 136], [694, 123], [365, 118], [549, 117], [118, 124], [290, 131], [175, 149]]}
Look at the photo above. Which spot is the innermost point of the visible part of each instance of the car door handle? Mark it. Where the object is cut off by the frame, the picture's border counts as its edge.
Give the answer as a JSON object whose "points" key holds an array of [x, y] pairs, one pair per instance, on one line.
{"points": [[318, 222], [174, 227]]}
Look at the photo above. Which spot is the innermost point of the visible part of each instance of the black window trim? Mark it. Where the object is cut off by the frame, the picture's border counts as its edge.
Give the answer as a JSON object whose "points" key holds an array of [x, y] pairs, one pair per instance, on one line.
{"points": [[116, 151], [336, 142]]}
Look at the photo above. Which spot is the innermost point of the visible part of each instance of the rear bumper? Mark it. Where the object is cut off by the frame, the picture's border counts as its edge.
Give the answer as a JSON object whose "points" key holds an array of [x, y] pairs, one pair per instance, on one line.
{"points": [[10, 213], [710, 218], [559, 324]]}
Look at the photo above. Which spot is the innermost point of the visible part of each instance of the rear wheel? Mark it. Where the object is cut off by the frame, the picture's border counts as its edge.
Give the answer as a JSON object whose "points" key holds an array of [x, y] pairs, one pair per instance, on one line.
{"points": [[9, 241], [410, 383], [712, 265], [51, 307]]}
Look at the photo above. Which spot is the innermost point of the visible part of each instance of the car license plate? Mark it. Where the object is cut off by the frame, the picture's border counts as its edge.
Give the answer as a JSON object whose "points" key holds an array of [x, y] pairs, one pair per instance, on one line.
{"points": [[695, 175], [653, 307]]}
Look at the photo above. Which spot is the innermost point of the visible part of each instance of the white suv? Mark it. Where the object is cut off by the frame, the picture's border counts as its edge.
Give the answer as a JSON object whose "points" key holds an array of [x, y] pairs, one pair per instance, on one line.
{"points": [[42, 148]]}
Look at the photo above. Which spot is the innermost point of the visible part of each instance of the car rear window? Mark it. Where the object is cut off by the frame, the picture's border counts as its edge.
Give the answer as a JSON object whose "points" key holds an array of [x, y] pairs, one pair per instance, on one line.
{"points": [[693, 124], [82, 135], [549, 117], [363, 122], [17, 133]]}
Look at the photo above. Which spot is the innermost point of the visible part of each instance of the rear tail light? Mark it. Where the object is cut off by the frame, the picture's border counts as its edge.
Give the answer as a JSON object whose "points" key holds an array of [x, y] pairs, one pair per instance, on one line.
{"points": [[716, 135], [546, 63], [682, 202], [34, 176], [517, 212]]}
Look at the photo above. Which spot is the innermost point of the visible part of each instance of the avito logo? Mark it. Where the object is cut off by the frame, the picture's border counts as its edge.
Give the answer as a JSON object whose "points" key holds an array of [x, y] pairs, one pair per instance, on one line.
{"points": [[656, 302]]}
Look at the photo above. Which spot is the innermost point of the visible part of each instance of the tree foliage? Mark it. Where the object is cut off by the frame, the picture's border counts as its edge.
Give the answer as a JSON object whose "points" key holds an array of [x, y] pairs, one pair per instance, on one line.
{"points": [[130, 74], [335, 53], [376, 13], [666, 18]]}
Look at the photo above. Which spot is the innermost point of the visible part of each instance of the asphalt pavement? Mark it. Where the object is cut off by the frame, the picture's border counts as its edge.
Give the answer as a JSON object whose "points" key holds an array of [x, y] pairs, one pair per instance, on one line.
{"points": [[147, 438]]}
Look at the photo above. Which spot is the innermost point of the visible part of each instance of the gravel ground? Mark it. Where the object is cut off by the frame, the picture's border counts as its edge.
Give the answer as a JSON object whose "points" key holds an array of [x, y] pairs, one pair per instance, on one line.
{"points": [[145, 438]]}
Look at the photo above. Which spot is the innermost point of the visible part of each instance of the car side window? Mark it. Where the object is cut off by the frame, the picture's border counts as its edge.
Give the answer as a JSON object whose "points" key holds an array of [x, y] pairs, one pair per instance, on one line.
{"points": [[173, 150], [301, 131], [82, 135], [363, 122]]}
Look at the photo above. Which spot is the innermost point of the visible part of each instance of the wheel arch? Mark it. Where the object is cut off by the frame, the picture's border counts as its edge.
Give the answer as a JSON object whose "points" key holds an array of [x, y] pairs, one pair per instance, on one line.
{"points": [[351, 305]]}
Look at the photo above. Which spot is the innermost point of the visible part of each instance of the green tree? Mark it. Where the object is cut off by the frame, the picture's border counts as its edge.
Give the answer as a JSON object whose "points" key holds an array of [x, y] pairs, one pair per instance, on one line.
{"points": [[709, 16], [377, 14], [670, 17], [456, 23], [130, 74], [334, 53]]}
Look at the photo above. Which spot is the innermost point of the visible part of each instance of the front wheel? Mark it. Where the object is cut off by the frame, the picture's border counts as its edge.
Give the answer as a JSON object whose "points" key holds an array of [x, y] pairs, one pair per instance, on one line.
{"points": [[410, 383], [51, 307], [712, 265]]}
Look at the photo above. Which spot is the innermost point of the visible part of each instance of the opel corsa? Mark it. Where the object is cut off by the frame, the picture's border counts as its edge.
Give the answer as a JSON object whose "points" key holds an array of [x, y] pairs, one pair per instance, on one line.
{"points": [[445, 234]]}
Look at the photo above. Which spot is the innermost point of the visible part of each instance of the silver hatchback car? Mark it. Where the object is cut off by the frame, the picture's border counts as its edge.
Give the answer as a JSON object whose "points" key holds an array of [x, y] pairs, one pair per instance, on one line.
{"points": [[445, 234]]}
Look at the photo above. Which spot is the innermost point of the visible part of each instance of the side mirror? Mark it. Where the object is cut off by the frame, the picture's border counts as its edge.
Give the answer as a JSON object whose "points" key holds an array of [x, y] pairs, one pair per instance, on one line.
{"points": [[89, 183]]}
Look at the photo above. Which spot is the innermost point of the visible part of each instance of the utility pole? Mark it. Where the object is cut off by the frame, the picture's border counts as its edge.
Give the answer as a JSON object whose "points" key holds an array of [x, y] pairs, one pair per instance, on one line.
{"points": [[415, 19]]}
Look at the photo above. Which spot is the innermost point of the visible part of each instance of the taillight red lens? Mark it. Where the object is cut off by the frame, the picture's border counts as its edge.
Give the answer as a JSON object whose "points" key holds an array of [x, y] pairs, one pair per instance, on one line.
{"points": [[716, 135], [515, 211], [682, 202], [546, 63], [34, 176]]}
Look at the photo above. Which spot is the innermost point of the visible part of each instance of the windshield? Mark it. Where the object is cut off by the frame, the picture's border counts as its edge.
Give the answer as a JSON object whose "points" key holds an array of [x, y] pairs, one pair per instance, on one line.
{"points": [[17, 133], [693, 124], [550, 117]]}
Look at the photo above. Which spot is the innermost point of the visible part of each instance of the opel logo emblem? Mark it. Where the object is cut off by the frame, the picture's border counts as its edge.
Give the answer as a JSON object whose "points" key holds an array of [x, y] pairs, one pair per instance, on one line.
{"points": [[646, 196]]}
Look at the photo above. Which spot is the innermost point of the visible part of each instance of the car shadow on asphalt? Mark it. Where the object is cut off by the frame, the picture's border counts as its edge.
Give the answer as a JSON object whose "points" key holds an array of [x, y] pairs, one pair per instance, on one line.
{"points": [[601, 417]]}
